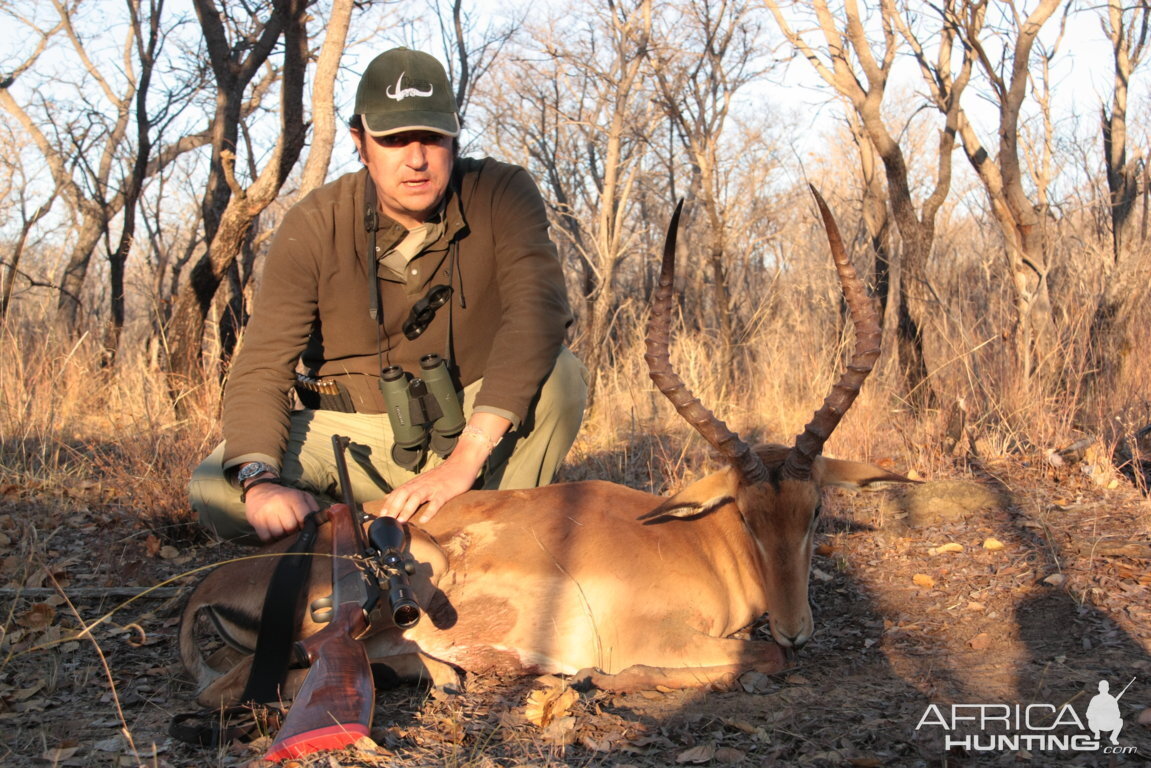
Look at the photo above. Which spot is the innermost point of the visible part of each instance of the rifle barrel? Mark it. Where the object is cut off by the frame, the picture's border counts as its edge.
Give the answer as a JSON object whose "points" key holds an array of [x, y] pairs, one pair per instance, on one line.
{"points": [[339, 446]]}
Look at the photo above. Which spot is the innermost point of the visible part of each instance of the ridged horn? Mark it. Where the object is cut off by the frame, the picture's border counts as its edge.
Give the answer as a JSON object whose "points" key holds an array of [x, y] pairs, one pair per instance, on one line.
{"points": [[865, 318], [736, 452]]}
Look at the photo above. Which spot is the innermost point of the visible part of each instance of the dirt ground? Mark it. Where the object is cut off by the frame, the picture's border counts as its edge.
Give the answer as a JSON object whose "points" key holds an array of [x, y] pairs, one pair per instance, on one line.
{"points": [[1015, 585]]}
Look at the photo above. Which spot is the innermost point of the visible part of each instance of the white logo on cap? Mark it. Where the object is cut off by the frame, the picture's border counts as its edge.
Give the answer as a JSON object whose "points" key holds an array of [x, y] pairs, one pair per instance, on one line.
{"points": [[399, 92]]}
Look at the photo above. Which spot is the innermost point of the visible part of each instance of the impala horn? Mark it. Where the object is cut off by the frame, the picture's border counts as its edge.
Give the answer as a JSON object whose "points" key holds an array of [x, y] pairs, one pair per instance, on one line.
{"points": [[737, 453], [865, 318]]}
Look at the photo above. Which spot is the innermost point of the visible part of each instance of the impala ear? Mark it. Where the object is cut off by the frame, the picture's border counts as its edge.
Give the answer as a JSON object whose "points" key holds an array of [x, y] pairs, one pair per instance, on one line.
{"points": [[854, 474], [699, 499]]}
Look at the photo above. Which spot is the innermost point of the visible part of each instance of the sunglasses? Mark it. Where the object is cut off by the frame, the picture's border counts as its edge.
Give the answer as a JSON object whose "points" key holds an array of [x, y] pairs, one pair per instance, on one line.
{"points": [[424, 310]]}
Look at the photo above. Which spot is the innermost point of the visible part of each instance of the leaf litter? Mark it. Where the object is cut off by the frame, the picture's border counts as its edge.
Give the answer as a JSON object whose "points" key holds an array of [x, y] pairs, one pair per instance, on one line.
{"points": [[887, 645]]}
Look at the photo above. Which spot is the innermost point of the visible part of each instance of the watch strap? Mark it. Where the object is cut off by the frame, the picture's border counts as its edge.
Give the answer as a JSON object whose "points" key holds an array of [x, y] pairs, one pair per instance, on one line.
{"points": [[258, 481]]}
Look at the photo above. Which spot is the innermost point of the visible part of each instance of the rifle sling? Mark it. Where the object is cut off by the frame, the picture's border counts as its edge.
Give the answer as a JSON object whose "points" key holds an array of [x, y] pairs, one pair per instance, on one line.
{"points": [[216, 727], [279, 619], [281, 615]]}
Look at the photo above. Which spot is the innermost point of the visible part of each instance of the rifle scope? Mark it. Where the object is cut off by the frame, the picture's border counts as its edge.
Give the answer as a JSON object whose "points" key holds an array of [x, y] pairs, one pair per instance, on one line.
{"points": [[386, 536]]}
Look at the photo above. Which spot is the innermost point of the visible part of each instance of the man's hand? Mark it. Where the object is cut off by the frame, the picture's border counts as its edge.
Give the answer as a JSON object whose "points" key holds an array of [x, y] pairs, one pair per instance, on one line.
{"points": [[436, 487], [430, 490], [276, 510]]}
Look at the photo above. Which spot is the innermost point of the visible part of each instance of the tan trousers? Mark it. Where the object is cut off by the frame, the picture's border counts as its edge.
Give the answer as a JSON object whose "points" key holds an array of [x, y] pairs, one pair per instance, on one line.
{"points": [[527, 457]]}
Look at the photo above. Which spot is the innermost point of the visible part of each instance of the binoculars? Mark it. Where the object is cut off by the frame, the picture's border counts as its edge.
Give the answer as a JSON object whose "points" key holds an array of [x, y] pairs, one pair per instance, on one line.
{"points": [[424, 411]]}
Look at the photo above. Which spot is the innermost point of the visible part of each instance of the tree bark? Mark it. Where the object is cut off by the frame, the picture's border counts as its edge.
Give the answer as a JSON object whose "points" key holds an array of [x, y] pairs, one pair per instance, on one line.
{"points": [[324, 118], [1128, 42], [229, 209], [865, 92], [1022, 225], [146, 50]]}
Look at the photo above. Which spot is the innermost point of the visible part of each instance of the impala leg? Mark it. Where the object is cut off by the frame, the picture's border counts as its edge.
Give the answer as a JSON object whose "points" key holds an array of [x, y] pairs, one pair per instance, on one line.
{"points": [[225, 690], [420, 669], [764, 657]]}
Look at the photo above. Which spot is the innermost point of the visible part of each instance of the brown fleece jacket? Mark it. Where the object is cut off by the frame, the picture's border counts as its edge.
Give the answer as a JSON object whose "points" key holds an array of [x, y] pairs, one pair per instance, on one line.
{"points": [[508, 313]]}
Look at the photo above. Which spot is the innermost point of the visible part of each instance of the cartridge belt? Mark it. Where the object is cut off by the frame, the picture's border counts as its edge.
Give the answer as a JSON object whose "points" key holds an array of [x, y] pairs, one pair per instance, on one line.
{"points": [[323, 394]]}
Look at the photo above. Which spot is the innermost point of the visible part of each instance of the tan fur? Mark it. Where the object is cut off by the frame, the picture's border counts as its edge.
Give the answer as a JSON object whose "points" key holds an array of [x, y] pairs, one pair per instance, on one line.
{"points": [[565, 578]]}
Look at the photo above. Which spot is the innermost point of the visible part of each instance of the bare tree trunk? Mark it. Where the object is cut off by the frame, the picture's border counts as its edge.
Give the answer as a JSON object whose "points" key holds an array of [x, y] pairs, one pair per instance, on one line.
{"points": [[94, 212], [865, 91], [469, 54], [323, 96], [85, 157], [1022, 225], [581, 120], [88, 234], [1128, 42], [26, 224], [228, 208], [696, 93], [146, 50], [876, 220]]}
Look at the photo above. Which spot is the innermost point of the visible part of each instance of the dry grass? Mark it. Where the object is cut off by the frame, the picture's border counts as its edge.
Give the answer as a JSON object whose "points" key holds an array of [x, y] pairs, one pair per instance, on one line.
{"points": [[68, 424], [69, 427]]}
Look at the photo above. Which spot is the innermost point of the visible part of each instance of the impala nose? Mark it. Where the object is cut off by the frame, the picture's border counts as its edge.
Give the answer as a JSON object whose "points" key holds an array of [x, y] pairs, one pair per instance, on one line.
{"points": [[791, 637], [792, 641]]}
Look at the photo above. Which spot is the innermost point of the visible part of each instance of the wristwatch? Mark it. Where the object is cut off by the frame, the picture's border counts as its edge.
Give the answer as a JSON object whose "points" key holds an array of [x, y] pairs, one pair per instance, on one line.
{"points": [[252, 469]]}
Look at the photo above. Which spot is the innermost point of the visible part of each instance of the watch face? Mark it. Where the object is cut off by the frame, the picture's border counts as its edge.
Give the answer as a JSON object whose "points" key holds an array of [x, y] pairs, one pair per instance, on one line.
{"points": [[251, 470]]}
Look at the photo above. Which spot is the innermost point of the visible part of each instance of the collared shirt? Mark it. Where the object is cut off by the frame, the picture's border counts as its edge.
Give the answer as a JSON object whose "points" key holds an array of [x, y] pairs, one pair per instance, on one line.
{"points": [[393, 262]]}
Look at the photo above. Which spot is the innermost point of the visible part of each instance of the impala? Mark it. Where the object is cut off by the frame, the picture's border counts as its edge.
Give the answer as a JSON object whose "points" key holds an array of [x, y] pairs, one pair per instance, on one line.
{"points": [[622, 588]]}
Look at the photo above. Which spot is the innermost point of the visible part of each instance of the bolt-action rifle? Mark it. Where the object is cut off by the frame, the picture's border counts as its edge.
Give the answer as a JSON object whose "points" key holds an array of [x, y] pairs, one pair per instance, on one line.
{"points": [[334, 707]]}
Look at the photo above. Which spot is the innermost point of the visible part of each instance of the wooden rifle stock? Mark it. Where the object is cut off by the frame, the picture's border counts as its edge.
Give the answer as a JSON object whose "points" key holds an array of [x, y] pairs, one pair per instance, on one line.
{"points": [[334, 707]]}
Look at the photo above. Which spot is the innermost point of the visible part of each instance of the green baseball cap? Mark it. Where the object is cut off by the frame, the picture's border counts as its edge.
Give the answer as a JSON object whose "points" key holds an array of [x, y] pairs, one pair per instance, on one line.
{"points": [[405, 90]]}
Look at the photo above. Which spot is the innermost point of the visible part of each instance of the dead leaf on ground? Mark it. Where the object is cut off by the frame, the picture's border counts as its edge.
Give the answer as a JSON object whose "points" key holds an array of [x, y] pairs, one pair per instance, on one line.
{"points": [[980, 642], [111, 744], [38, 616], [697, 755], [59, 754], [754, 681], [549, 704], [152, 545], [23, 694], [729, 755], [560, 731], [595, 745]]}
